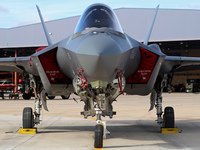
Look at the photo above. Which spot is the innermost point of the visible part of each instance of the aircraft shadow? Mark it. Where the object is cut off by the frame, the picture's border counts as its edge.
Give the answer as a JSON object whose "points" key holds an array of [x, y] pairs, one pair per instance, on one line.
{"points": [[57, 129], [149, 131], [140, 133]]}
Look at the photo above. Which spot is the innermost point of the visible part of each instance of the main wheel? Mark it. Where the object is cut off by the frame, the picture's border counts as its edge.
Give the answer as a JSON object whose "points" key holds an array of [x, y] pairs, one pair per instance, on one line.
{"points": [[98, 138], [65, 96], [28, 120], [26, 96], [168, 117]]}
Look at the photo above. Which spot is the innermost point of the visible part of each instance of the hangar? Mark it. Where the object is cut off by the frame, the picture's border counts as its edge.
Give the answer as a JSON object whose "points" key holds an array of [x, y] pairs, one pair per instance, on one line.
{"points": [[177, 31]]}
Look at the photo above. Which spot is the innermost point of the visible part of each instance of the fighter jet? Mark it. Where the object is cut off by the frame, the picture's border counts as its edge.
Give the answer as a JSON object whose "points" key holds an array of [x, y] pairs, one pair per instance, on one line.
{"points": [[98, 62]]}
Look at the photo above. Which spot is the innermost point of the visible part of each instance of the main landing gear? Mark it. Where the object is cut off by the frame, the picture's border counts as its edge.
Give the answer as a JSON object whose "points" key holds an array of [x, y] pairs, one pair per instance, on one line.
{"points": [[30, 119], [156, 99]]}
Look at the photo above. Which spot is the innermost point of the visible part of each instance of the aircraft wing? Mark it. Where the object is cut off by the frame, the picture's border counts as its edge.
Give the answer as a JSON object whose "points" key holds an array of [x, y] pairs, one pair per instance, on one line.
{"points": [[14, 64], [178, 63]]}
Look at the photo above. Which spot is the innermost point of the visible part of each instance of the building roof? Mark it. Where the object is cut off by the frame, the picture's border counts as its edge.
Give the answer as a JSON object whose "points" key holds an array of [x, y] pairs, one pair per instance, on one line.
{"points": [[170, 25]]}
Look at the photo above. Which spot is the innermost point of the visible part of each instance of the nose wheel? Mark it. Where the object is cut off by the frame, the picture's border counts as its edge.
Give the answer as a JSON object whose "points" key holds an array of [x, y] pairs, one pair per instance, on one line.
{"points": [[100, 130], [98, 136]]}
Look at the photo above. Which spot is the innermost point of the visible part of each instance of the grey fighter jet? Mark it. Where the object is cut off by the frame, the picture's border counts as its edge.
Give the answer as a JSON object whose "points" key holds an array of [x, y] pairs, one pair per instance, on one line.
{"points": [[98, 62]]}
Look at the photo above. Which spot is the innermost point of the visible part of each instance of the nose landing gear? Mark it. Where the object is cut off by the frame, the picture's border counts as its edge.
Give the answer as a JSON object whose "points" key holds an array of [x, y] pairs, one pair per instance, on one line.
{"points": [[98, 136], [100, 130]]}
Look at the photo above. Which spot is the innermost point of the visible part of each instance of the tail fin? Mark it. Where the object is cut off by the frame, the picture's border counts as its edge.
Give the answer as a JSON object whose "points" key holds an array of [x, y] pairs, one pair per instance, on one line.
{"points": [[44, 27], [151, 27]]}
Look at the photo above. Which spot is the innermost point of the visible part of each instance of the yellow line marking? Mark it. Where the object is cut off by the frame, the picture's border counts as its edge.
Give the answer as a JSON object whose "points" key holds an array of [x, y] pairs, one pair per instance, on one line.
{"points": [[92, 118]]}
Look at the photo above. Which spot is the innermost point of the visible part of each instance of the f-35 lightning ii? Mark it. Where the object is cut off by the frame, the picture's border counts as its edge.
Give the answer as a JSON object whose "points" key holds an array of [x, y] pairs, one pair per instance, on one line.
{"points": [[98, 62]]}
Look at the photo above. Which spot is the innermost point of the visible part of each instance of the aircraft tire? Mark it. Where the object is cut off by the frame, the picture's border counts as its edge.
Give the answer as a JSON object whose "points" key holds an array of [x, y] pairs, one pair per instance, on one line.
{"points": [[98, 141], [168, 117], [26, 96], [65, 96], [51, 97], [28, 121]]}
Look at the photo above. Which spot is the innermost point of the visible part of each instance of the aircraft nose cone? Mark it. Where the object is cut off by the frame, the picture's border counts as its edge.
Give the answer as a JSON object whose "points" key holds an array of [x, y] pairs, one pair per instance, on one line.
{"points": [[100, 44], [99, 56]]}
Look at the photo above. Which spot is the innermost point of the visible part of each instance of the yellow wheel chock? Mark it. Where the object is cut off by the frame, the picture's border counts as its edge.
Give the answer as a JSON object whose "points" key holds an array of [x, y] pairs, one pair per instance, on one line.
{"points": [[169, 130], [28, 131]]}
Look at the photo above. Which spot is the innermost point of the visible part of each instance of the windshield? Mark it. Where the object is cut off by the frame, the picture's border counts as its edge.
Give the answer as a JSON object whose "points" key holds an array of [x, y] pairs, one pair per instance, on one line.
{"points": [[98, 16]]}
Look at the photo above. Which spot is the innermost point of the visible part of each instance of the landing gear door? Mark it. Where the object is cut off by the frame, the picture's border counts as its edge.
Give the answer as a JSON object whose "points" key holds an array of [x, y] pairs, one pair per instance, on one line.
{"points": [[142, 81], [54, 81]]}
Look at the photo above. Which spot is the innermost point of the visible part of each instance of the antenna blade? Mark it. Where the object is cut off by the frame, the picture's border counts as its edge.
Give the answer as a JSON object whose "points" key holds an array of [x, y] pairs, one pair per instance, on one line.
{"points": [[44, 27], [151, 27]]}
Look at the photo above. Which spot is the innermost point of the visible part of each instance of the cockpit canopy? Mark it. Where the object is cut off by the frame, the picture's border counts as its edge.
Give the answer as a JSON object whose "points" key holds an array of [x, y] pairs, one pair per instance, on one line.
{"points": [[98, 16]]}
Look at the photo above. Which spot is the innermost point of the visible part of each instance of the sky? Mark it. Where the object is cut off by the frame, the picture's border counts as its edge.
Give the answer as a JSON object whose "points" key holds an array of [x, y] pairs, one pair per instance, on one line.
{"points": [[14, 13]]}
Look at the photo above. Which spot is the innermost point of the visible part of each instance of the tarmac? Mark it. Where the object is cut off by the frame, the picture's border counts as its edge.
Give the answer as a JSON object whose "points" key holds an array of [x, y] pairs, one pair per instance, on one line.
{"points": [[133, 128]]}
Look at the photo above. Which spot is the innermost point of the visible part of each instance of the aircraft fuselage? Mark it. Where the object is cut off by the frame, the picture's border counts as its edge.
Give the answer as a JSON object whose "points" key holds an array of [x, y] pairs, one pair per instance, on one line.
{"points": [[99, 52]]}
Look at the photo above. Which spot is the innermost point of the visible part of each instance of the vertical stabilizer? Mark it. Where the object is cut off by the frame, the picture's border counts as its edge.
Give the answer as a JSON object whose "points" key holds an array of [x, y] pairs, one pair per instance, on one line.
{"points": [[44, 27], [151, 27]]}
